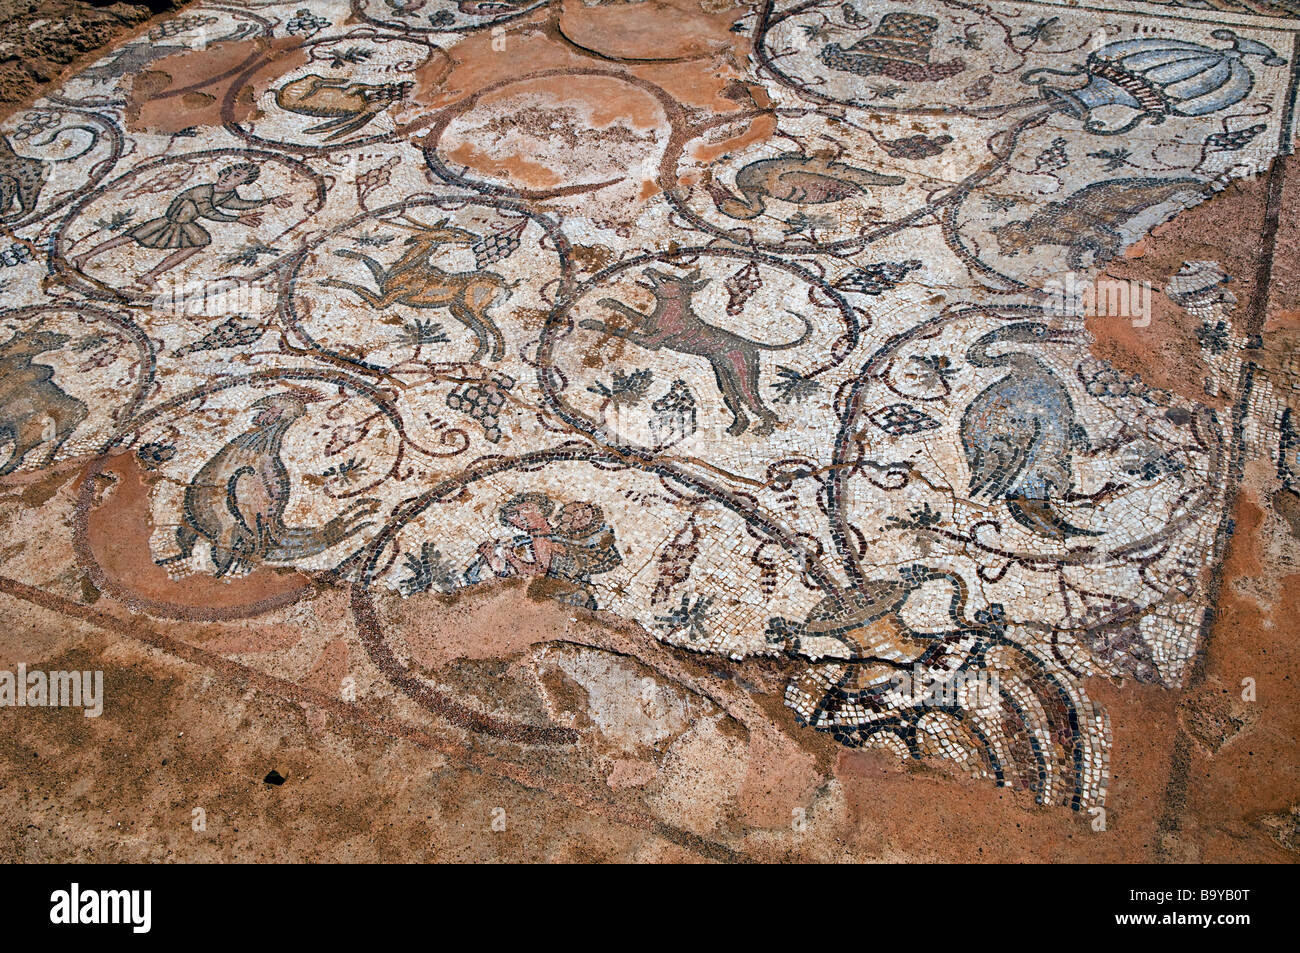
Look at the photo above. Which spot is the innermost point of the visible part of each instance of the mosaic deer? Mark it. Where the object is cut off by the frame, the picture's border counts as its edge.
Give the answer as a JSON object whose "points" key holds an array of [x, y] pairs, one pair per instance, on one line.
{"points": [[673, 324], [413, 281]]}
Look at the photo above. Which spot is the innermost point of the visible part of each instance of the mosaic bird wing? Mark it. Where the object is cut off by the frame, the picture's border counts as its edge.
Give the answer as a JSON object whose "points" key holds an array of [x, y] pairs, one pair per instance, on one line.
{"points": [[1023, 715], [251, 499], [995, 707], [998, 439]]}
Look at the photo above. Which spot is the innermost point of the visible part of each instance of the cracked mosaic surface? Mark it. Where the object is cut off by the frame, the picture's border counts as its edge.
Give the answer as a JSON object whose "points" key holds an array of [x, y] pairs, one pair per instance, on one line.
{"points": [[737, 321]]}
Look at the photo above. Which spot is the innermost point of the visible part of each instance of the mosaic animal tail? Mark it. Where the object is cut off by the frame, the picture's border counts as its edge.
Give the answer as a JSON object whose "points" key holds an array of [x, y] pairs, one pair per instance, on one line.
{"points": [[970, 694]]}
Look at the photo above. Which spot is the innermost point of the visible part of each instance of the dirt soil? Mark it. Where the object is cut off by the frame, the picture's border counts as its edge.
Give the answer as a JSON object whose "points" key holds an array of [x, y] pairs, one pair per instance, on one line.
{"points": [[44, 40]]}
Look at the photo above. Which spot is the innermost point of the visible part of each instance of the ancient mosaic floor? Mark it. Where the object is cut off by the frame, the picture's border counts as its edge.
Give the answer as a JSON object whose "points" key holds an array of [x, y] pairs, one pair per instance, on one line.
{"points": [[764, 330]]}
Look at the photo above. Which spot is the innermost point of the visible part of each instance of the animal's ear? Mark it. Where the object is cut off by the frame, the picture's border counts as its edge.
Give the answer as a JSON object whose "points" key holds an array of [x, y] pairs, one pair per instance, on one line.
{"points": [[443, 222], [695, 280]]}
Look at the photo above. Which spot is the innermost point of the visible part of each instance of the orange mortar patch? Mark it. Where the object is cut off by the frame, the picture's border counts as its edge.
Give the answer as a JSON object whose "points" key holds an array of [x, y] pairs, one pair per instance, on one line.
{"points": [[117, 535], [705, 78], [157, 104]]}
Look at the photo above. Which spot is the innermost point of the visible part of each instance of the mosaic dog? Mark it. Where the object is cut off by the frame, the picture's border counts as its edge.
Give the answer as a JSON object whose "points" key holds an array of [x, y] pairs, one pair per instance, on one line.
{"points": [[237, 500], [673, 324]]}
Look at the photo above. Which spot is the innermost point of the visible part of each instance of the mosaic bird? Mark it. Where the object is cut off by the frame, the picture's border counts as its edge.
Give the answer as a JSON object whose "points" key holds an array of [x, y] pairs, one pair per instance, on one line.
{"points": [[346, 106], [968, 691], [794, 178], [1019, 432], [237, 499]]}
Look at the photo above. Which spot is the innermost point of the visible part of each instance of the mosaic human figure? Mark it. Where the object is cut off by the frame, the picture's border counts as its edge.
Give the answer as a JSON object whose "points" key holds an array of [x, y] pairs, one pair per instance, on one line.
{"points": [[567, 546], [178, 230]]}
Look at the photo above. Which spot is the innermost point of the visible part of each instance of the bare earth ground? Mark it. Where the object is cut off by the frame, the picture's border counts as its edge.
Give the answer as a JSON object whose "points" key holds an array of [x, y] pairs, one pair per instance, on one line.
{"points": [[41, 39], [1196, 774]]}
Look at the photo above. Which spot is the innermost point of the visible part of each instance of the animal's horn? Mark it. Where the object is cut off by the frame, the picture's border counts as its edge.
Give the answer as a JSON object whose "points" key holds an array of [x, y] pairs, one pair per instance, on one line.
{"points": [[412, 224], [21, 332]]}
